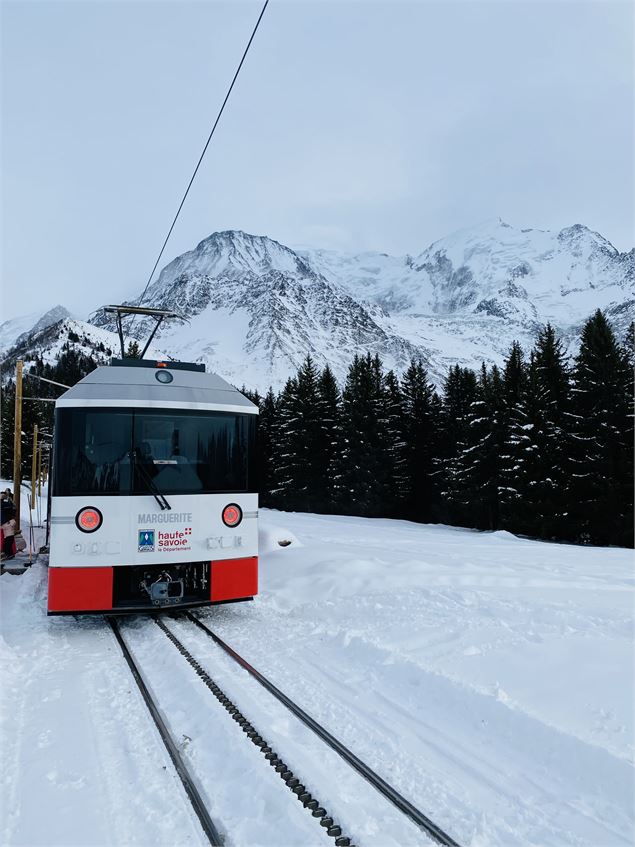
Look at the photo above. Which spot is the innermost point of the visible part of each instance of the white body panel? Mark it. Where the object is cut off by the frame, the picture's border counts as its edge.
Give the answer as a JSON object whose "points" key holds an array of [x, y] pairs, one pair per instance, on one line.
{"points": [[192, 531]]}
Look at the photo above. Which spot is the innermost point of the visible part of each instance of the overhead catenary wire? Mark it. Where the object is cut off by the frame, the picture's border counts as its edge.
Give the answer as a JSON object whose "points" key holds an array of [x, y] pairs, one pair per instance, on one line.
{"points": [[44, 379], [201, 157]]}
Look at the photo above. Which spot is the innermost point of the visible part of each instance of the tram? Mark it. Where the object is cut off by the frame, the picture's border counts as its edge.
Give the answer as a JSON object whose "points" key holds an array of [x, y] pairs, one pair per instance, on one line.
{"points": [[154, 502]]}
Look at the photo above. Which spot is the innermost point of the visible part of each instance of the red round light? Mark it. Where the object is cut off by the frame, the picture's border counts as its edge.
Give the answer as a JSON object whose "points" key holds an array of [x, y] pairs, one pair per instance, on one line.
{"points": [[88, 519], [232, 514]]}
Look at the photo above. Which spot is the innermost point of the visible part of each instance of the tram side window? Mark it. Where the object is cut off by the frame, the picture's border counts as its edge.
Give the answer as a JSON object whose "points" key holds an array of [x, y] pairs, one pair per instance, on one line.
{"points": [[92, 452], [194, 452]]}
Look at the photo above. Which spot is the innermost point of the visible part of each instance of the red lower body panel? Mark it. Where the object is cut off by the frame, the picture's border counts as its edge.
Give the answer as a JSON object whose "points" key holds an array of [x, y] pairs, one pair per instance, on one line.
{"points": [[80, 589], [76, 590], [233, 579]]}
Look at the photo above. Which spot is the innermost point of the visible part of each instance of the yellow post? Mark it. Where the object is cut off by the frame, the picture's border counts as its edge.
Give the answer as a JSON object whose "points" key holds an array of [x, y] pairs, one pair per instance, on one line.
{"points": [[17, 443], [33, 467]]}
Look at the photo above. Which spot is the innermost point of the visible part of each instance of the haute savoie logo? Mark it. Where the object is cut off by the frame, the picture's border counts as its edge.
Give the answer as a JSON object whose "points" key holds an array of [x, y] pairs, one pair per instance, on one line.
{"points": [[179, 539]]}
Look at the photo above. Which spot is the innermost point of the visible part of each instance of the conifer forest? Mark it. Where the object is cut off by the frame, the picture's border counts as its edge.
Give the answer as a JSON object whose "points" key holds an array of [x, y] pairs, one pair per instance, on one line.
{"points": [[542, 446]]}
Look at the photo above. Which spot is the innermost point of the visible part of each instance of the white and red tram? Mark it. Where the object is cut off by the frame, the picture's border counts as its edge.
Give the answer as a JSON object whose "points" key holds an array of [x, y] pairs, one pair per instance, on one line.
{"points": [[154, 501]]}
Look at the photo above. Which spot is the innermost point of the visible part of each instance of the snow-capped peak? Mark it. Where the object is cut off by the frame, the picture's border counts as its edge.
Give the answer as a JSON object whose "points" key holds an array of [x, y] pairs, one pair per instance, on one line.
{"points": [[256, 307], [16, 330], [230, 254]]}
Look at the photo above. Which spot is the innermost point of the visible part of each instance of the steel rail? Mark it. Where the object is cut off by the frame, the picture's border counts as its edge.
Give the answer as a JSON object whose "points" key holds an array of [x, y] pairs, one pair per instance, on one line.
{"points": [[191, 790], [293, 783], [384, 788]]}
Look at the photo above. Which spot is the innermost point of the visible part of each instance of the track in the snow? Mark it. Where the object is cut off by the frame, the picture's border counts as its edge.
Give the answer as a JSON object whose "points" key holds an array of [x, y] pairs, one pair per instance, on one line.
{"points": [[181, 768], [292, 782], [385, 789], [311, 803]]}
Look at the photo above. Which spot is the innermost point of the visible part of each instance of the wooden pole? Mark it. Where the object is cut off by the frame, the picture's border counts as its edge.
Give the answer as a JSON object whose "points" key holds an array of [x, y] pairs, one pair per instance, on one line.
{"points": [[39, 471], [17, 443], [33, 467]]}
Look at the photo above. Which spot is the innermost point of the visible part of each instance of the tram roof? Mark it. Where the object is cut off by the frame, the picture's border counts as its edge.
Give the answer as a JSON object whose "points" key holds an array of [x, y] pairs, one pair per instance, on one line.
{"points": [[138, 387]]}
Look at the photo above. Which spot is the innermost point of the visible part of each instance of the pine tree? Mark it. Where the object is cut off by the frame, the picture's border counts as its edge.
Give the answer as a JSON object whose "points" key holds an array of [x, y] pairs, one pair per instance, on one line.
{"points": [[133, 351], [459, 392], [366, 456], [549, 494], [266, 428], [284, 461], [419, 444], [515, 381], [392, 421], [297, 476], [514, 377], [329, 444], [520, 458], [534, 484], [601, 463], [7, 405], [309, 469], [477, 468]]}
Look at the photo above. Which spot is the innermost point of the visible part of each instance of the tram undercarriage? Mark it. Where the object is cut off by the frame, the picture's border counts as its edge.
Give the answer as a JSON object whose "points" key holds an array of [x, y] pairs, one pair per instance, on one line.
{"points": [[160, 585]]}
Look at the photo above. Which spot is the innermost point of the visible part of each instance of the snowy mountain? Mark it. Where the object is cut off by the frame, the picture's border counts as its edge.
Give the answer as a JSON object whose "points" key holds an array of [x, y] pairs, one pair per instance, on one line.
{"points": [[492, 269], [254, 307], [468, 296], [15, 331], [49, 341]]}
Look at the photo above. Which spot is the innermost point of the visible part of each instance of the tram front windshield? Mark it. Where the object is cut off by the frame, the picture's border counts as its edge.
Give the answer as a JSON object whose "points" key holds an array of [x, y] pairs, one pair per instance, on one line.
{"points": [[119, 451]]}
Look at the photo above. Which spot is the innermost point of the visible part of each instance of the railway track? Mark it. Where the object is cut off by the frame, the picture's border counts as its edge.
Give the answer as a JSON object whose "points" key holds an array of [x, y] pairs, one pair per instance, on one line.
{"points": [[291, 780], [207, 824]]}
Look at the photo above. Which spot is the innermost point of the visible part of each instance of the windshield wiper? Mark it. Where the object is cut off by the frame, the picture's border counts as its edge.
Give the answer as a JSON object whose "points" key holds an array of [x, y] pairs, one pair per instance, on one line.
{"points": [[158, 495]]}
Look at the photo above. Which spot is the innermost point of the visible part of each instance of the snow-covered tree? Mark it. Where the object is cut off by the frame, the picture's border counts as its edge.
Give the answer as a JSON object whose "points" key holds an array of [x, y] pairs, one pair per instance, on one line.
{"points": [[265, 464], [329, 443], [366, 459], [419, 443], [534, 477], [459, 392], [476, 469], [298, 474], [601, 462]]}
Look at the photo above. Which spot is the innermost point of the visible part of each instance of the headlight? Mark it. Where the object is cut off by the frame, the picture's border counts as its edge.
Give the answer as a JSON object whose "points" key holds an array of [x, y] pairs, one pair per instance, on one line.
{"points": [[88, 519], [232, 515]]}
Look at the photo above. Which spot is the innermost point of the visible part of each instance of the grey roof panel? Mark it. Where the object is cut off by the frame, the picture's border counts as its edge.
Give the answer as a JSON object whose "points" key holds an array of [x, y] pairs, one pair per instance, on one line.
{"points": [[111, 384]]}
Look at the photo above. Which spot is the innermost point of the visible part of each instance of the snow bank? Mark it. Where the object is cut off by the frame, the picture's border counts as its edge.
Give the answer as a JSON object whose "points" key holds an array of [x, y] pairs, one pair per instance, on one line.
{"points": [[274, 538]]}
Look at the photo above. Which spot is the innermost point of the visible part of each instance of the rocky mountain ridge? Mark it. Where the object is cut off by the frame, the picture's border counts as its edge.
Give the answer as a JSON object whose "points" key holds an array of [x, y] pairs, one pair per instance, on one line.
{"points": [[255, 307]]}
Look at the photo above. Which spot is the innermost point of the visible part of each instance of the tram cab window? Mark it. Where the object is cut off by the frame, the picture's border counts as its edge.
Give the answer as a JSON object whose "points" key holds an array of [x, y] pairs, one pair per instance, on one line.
{"points": [[194, 452], [114, 451], [92, 453]]}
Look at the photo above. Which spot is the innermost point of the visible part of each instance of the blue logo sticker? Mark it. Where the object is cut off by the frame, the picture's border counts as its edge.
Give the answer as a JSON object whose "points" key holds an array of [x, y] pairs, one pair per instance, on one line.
{"points": [[146, 541]]}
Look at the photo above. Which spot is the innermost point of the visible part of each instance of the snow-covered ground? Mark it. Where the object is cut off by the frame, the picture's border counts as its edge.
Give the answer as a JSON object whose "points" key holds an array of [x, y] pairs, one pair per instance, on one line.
{"points": [[489, 678]]}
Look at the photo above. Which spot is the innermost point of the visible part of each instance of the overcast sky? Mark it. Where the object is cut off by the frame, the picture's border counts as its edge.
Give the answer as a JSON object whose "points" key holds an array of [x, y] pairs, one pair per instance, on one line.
{"points": [[354, 125]]}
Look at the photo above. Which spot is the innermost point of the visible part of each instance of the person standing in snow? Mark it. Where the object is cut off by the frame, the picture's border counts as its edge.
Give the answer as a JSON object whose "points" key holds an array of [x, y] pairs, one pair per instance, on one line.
{"points": [[7, 522]]}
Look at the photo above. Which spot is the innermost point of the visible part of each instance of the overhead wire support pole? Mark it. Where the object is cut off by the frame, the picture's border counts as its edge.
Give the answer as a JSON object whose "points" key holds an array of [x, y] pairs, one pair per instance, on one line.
{"points": [[17, 443], [33, 466], [159, 316], [120, 331], [198, 164], [152, 334]]}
